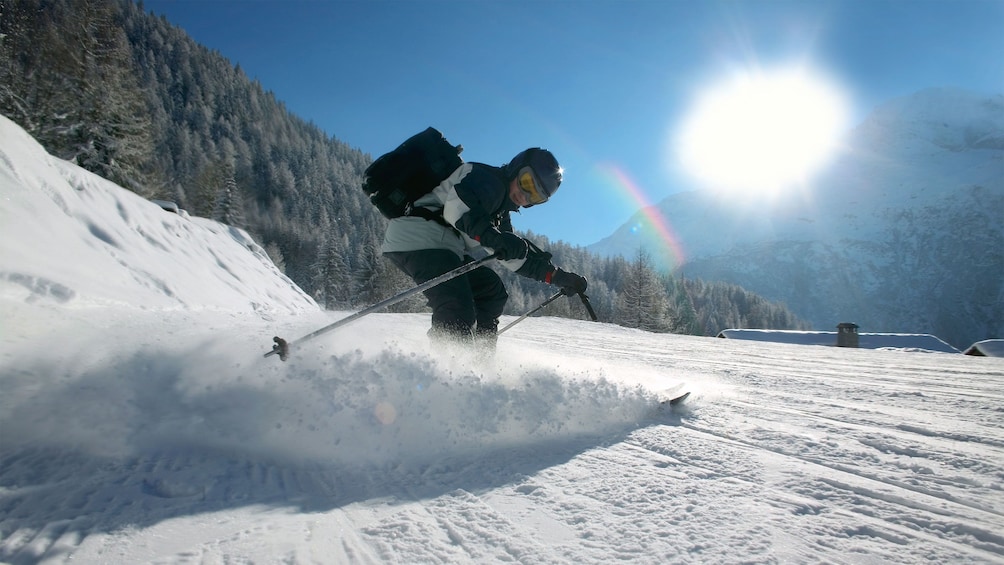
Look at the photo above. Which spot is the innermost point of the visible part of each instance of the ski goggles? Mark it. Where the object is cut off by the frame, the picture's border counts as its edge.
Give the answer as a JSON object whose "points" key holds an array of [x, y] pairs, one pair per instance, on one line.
{"points": [[531, 185]]}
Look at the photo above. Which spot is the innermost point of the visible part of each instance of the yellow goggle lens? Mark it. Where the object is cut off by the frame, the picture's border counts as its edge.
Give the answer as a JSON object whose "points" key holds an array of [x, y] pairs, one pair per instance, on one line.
{"points": [[527, 184]]}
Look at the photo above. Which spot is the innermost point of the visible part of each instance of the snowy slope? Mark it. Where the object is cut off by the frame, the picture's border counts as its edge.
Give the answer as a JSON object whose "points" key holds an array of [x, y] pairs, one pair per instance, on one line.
{"points": [[903, 233], [73, 238], [154, 431]]}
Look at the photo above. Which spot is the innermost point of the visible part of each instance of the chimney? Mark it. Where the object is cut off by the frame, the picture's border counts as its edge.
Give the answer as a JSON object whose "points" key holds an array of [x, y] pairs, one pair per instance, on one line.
{"points": [[847, 335]]}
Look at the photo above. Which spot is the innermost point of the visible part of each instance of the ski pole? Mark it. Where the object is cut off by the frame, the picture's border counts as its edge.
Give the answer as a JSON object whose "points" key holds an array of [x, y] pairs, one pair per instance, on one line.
{"points": [[585, 302], [282, 346], [532, 312]]}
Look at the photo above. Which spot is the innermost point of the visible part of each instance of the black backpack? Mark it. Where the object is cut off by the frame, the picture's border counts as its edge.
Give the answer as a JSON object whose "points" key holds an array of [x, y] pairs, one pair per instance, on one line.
{"points": [[396, 179]]}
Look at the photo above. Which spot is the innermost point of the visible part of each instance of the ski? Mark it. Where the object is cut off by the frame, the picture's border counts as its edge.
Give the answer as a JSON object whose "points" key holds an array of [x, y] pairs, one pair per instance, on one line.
{"points": [[672, 404], [678, 400]]}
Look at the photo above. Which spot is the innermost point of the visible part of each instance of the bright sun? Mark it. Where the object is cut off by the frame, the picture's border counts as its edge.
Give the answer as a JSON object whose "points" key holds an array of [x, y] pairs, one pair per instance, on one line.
{"points": [[762, 131]]}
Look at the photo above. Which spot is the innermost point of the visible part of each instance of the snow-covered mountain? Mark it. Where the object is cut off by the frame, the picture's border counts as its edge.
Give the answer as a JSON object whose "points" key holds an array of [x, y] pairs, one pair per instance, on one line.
{"points": [[139, 422], [904, 232]]}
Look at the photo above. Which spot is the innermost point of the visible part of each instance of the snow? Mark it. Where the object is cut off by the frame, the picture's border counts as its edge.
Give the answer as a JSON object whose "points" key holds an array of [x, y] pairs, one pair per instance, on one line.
{"points": [[139, 422]]}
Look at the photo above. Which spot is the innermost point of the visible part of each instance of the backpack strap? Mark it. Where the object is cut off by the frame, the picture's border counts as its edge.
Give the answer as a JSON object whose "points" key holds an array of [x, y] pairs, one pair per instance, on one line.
{"points": [[431, 215]]}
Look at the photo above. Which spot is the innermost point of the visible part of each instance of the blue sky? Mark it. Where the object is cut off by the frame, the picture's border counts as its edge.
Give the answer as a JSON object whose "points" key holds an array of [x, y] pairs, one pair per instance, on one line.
{"points": [[606, 85]]}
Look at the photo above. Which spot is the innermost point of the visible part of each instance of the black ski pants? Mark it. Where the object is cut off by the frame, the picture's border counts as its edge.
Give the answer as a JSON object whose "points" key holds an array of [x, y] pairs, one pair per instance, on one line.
{"points": [[463, 306]]}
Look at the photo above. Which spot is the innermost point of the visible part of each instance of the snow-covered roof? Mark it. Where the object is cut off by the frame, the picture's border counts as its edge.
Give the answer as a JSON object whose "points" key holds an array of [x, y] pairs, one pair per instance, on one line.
{"points": [[919, 342], [987, 348]]}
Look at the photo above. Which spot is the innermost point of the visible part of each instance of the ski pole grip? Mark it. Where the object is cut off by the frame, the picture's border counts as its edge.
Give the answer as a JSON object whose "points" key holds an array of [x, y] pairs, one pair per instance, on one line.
{"points": [[281, 348]]}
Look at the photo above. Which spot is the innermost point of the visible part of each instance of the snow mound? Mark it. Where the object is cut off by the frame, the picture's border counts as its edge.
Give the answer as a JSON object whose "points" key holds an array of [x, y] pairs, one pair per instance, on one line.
{"points": [[69, 237]]}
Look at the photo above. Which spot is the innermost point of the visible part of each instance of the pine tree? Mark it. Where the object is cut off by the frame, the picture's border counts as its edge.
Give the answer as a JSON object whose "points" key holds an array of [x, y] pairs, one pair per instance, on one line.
{"points": [[230, 206], [275, 254], [71, 82], [684, 315], [112, 137], [368, 286], [208, 188], [642, 300], [17, 27], [336, 281]]}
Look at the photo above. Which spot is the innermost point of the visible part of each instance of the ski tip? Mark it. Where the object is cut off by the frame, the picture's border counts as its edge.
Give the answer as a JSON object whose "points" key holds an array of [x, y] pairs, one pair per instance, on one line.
{"points": [[672, 406], [679, 399], [674, 401]]}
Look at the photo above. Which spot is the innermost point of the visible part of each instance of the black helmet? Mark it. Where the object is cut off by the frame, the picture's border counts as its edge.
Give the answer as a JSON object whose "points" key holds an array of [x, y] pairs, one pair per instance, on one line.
{"points": [[546, 170]]}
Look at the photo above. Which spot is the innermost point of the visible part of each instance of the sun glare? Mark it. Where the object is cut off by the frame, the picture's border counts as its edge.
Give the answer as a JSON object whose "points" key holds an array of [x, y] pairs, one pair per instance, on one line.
{"points": [[762, 131]]}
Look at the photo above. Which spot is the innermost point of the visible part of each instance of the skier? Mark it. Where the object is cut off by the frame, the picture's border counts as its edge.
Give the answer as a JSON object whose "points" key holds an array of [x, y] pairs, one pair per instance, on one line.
{"points": [[470, 211]]}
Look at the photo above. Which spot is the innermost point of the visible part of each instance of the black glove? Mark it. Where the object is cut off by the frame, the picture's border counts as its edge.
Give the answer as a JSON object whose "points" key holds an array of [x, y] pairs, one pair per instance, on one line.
{"points": [[509, 246], [570, 283], [537, 265]]}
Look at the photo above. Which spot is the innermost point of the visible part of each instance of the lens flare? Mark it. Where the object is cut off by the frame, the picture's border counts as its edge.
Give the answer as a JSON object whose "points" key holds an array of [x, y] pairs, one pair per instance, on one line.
{"points": [[385, 413], [654, 225]]}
